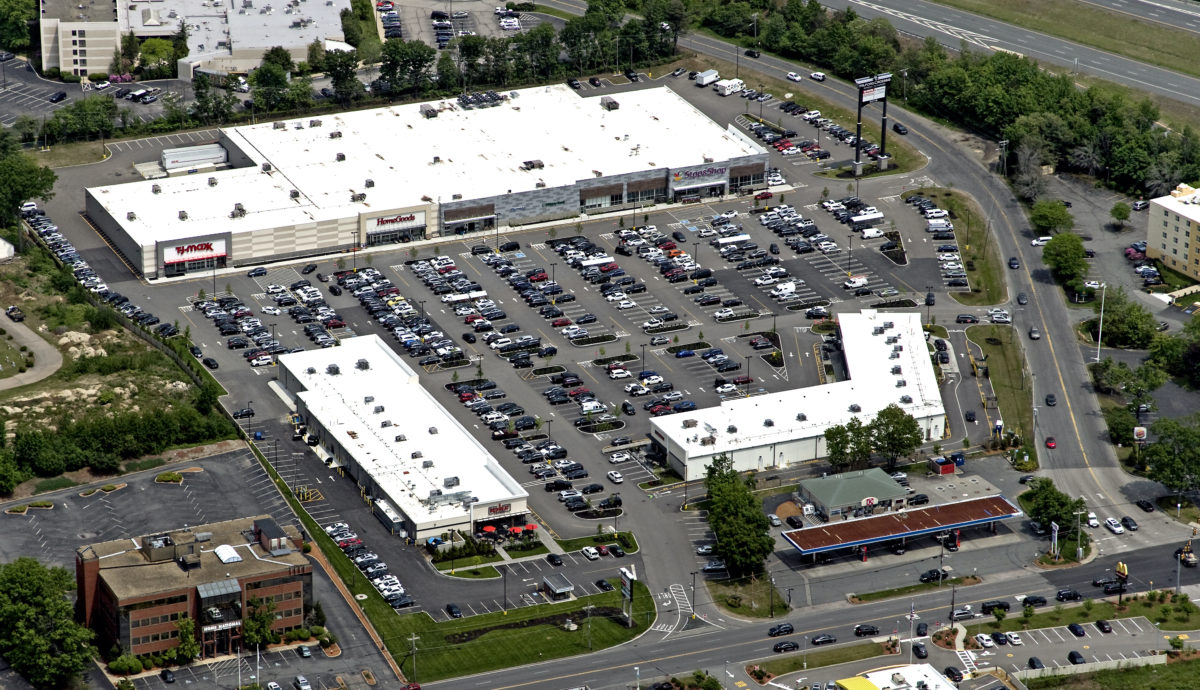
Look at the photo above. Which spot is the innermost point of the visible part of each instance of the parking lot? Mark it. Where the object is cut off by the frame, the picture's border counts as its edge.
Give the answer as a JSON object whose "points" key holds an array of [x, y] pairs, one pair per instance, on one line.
{"points": [[23, 92]]}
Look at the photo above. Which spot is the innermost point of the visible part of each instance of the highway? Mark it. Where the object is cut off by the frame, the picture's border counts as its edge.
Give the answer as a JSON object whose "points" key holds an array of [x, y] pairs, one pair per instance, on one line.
{"points": [[1083, 465]]}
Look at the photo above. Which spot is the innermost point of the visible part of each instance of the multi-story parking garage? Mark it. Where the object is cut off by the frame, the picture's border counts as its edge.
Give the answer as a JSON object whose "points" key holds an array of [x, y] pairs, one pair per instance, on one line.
{"points": [[357, 179], [888, 363]]}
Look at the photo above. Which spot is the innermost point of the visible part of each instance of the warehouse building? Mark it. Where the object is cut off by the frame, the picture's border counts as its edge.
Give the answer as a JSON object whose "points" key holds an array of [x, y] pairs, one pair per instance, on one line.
{"points": [[888, 363], [445, 168], [133, 591], [396, 441]]}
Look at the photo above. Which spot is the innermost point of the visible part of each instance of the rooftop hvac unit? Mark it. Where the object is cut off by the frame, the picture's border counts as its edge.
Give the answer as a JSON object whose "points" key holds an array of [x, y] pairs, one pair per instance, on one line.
{"points": [[896, 369], [731, 429], [266, 167], [428, 111], [426, 464], [878, 330], [385, 424], [335, 134], [456, 197], [156, 189], [897, 348], [340, 157], [433, 430], [362, 365], [888, 324], [361, 196], [855, 408], [310, 370], [369, 183], [609, 103], [449, 482], [279, 125], [689, 423], [415, 454], [212, 182], [768, 422], [368, 399], [894, 355], [906, 399], [901, 383], [533, 165], [295, 193], [183, 215], [437, 159], [130, 216], [333, 370], [378, 409], [801, 417], [401, 438], [707, 441], [314, 123], [540, 184]]}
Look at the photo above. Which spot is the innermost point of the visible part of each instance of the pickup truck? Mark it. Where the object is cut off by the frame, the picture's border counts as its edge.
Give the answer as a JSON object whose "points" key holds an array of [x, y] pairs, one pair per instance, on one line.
{"points": [[15, 313]]}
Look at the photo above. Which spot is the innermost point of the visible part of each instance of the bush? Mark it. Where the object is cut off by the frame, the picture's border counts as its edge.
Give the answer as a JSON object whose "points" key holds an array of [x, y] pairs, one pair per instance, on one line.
{"points": [[126, 664], [317, 631], [71, 78], [98, 76]]}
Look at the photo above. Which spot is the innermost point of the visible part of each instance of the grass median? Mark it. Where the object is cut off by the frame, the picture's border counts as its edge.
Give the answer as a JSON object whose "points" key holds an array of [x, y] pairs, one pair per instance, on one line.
{"points": [[625, 539], [917, 588], [816, 658], [749, 596], [1014, 391]]}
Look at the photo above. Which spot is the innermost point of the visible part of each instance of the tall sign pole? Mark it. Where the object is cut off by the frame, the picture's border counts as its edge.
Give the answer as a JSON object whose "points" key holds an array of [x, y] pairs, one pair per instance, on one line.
{"points": [[870, 89]]}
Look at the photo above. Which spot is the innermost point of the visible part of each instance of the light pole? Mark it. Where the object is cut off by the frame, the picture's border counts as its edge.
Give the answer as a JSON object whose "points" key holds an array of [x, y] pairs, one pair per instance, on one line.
{"points": [[748, 379], [643, 357], [552, 265], [694, 595], [1079, 534], [504, 576], [772, 606], [638, 676], [806, 652], [789, 597], [422, 303], [1100, 331]]}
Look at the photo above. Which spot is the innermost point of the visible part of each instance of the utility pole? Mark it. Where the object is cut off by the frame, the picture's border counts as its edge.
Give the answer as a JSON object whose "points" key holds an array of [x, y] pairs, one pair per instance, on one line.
{"points": [[772, 608], [412, 639]]}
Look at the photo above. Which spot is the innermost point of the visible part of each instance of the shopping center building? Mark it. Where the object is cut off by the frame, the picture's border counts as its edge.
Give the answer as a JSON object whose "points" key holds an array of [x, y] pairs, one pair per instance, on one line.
{"points": [[888, 363], [365, 178], [375, 422]]}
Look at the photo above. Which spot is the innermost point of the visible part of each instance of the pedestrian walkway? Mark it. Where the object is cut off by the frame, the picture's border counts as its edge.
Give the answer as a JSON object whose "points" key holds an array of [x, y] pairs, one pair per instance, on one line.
{"points": [[46, 358]]}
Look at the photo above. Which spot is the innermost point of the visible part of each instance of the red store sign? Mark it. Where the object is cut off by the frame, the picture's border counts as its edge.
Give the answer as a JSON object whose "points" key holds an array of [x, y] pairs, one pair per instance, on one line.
{"points": [[197, 251], [389, 220], [190, 248], [501, 508]]}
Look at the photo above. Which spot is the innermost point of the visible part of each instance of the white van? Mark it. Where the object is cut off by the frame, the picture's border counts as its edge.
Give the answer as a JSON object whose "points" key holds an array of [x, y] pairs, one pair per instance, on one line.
{"points": [[783, 290], [855, 282], [871, 233], [592, 406], [1040, 241]]}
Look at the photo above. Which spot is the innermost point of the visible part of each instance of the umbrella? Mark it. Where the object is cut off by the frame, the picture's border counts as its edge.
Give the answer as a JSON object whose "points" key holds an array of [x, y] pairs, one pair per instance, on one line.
{"points": [[489, 528], [515, 530], [531, 526]]}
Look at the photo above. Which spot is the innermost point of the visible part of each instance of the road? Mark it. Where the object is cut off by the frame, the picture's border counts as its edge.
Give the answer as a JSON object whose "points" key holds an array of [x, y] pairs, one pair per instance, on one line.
{"points": [[952, 27]]}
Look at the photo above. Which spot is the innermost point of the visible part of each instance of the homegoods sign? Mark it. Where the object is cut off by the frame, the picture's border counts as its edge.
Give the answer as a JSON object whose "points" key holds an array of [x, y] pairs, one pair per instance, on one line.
{"points": [[698, 176], [396, 221]]}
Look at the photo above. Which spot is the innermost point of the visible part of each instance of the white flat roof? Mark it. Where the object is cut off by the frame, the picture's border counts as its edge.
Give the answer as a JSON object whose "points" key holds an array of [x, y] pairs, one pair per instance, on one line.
{"points": [[909, 675], [480, 153], [339, 402], [1182, 200], [872, 386]]}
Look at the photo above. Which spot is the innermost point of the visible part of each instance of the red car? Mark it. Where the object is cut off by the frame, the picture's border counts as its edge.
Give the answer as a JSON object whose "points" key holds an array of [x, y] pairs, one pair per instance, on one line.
{"points": [[667, 245], [607, 268], [446, 269], [659, 410], [1050, 442], [742, 380], [538, 277], [472, 318], [763, 195], [464, 397], [559, 323], [578, 391]]}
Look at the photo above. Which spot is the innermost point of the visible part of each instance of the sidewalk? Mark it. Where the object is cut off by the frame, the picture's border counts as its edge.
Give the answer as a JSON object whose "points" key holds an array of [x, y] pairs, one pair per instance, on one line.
{"points": [[46, 358]]}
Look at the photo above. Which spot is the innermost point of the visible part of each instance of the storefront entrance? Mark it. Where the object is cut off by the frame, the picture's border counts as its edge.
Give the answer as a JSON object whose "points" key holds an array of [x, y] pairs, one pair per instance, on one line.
{"points": [[394, 236], [180, 268], [466, 227], [703, 192]]}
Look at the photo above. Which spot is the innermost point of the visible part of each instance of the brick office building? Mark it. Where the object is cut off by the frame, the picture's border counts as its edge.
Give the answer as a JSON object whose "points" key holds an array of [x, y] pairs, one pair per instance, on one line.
{"points": [[132, 591]]}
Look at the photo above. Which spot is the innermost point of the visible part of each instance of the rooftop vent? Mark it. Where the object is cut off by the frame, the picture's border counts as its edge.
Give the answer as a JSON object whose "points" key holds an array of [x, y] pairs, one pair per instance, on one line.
{"points": [[333, 370], [768, 422], [369, 183], [295, 193], [280, 125], [340, 157], [310, 370], [266, 167], [368, 399], [540, 184], [433, 430], [855, 408], [156, 189], [731, 429], [212, 182], [314, 123], [801, 417], [183, 215], [437, 159], [906, 399], [335, 134], [130, 216], [361, 196]]}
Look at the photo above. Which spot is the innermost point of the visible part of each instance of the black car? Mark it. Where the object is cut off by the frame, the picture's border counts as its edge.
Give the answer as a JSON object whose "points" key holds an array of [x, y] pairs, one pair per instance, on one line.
{"points": [[1036, 663], [922, 630], [58, 97], [554, 559], [594, 81], [167, 675], [1013, 262], [1075, 658], [574, 84], [257, 272], [244, 413], [787, 646], [308, 269], [899, 128], [919, 650], [1104, 626], [1145, 505], [1033, 600], [604, 585], [750, 52], [865, 630], [819, 640], [781, 629], [953, 674], [1068, 595], [631, 75], [210, 363], [454, 611]]}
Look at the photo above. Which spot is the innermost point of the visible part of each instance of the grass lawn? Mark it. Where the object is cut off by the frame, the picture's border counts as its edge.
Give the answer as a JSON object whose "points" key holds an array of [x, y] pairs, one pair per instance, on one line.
{"points": [[53, 484], [1154, 43], [937, 331], [467, 645], [913, 589], [535, 548], [1187, 512], [467, 562], [817, 657], [1014, 390], [597, 539], [486, 572], [65, 155], [749, 597], [1175, 674], [980, 256], [11, 358]]}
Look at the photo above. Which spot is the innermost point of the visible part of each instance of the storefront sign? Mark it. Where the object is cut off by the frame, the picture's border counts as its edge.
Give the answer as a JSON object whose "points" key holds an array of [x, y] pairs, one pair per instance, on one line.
{"points": [[501, 508], [194, 251], [709, 175], [395, 219], [398, 221], [699, 174]]}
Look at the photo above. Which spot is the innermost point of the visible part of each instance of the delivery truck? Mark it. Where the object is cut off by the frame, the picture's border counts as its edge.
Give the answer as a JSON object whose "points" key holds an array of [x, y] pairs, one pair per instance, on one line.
{"points": [[707, 77], [728, 87]]}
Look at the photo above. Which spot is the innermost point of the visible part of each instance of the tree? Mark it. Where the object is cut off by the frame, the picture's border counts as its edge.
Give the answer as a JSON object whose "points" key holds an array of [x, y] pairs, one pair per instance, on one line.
{"points": [[156, 54], [736, 518], [280, 57], [895, 433], [42, 641], [1127, 323], [1120, 213], [1174, 456], [189, 646], [21, 178], [837, 446], [999, 614], [257, 625], [1049, 505], [316, 56], [1050, 216], [15, 16], [342, 66], [1065, 256], [270, 83]]}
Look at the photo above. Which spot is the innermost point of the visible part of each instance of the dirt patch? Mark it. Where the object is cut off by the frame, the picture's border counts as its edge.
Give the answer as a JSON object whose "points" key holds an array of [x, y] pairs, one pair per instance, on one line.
{"points": [[787, 509]]}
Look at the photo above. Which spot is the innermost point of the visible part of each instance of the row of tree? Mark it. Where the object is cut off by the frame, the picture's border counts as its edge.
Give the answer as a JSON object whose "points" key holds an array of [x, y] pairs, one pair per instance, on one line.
{"points": [[21, 178], [892, 434], [41, 639], [736, 518]]}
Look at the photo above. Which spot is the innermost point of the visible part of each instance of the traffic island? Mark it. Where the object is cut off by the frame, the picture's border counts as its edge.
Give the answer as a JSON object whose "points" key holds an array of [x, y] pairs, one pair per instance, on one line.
{"points": [[918, 588]]}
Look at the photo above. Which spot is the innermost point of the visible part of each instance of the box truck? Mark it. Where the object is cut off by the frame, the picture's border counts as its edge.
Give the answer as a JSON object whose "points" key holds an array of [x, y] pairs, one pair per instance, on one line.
{"points": [[707, 77], [727, 87]]}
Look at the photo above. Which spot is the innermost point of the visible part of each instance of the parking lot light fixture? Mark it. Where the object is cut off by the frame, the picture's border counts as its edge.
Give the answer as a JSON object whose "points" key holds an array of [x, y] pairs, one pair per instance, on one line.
{"points": [[643, 357], [748, 376], [422, 303]]}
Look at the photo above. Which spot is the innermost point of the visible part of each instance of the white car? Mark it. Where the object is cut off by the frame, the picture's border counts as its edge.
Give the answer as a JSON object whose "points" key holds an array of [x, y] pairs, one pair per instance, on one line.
{"points": [[765, 280], [569, 493], [817, 76], [617, 458], [984, 641], [948, 257], [1092, 520], [827, 247], [775, 180], [615, 477], [726, 388], [273, 311], [653, 323], [625, 304], [263, 361], [336, 527], [707, 232], [659, 309], [636, 389], [651, 380], [1014, 638], [1039, 241], [723, 313], [572, 331], [1093, 284], [619, 374], [463, 310], [1114, 526], [997, 311], [590, 553], [501, 342], [792, 76], [615, 296], [952, 266], [731, 213], [276, 289], [673, 396]]}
